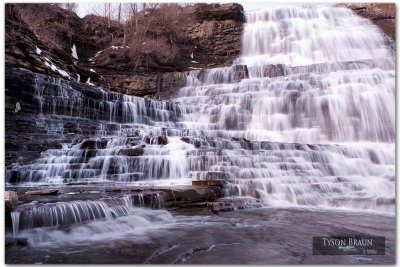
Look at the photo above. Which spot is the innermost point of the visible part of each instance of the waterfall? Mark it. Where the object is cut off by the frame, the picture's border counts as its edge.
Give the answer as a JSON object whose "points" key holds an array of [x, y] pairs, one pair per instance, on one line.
{"points": [[304, 117], [136, 225], [312, 100], [62, 214], [333, 81]]}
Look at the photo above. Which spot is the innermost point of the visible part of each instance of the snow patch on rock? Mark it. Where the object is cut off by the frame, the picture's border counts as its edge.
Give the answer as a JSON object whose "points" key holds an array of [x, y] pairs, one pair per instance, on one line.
{"points": [[54, 68], [38, 50], [74, 53], [88, 82], [118, 47]]}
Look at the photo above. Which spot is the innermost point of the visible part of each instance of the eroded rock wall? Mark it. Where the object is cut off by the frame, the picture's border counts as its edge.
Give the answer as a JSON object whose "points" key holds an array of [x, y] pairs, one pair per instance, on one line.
{"points": [[40, 37]]}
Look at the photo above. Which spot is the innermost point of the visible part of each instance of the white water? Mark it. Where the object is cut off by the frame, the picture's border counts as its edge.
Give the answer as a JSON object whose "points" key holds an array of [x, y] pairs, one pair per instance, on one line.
{"points": [[139, 225], [332, 83], [313, 124]]}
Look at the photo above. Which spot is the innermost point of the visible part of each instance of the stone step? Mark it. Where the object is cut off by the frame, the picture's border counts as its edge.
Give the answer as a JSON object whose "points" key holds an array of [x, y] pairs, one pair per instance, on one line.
{"points": [[43, 192], [209, 175], [128, 177], [208, 182]]}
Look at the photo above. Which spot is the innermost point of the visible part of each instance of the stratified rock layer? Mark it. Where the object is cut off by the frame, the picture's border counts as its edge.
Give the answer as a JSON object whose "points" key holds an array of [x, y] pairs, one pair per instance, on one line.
{"points": [[40, 37], [382, 14]]}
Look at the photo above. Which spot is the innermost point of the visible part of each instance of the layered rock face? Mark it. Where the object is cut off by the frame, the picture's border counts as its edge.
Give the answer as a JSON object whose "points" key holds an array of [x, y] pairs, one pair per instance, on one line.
{"points": [[44, 112], [40, 38], [47, 39], [382, 14]]}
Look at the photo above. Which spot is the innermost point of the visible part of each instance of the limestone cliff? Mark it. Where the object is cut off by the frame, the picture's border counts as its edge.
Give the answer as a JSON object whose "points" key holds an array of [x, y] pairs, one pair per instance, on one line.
{"points": [[47, 39]]}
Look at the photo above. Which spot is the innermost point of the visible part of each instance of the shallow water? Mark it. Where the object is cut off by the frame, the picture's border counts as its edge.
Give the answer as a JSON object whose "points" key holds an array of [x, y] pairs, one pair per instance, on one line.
{"points": [[266, 235]]}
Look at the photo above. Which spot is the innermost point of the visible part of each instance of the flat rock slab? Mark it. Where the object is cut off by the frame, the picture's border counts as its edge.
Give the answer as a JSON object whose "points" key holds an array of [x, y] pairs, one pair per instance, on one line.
{"points": [[208, 182], [43, 192], [112, 189], [257, 236]]}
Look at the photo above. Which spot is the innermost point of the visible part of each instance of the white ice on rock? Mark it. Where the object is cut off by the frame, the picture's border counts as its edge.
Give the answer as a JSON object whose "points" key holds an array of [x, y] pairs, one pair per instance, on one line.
{"points": [[111, 47], [54, 68], [88, 82], [74, 53], [38, 50]]}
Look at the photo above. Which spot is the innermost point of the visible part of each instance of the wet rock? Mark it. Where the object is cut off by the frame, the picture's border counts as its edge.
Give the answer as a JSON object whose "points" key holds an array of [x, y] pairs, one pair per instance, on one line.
{"points": [[197, 144], [9, 242], [88, 144], [240, 72], [15, 177], [149, 199], [43, 192], [190, 194], [77, 183], [10, 198], [218, 175], [208, 183], [230, 204], [147, 139], [385, 201], [185, 139], [220, 207], [162, 140], [112, 189], [214, 206], [21, 242], [131, 152], [274, 70]]}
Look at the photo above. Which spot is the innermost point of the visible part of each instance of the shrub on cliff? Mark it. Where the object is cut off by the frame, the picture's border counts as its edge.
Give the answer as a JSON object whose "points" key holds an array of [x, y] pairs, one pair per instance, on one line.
{"points": [[152, 40]]}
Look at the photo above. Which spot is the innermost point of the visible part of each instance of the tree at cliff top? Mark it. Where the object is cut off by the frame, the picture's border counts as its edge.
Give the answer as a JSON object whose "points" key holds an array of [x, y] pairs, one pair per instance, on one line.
{"points": [[72, 7], [152, 37]]}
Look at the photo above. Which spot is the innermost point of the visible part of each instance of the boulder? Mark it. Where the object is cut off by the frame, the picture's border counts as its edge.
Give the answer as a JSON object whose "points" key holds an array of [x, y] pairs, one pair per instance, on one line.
{"points": [[162, 140], [131, 152]]}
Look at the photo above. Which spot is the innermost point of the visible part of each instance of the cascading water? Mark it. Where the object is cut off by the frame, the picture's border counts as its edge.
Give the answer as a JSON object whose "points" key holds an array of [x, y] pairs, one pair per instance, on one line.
{"points": [[304, 117], [321, 87], [121, 145], [61, 214], [65, 223]]}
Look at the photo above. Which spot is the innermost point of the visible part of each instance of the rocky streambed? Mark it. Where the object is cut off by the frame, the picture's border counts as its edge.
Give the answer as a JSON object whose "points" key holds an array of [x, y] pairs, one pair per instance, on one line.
{"points": [[193, 236]]}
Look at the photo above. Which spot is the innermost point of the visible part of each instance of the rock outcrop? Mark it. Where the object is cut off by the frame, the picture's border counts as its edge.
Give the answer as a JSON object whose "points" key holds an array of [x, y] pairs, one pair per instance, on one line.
{"points": [[34, 50], [382, 14], [44, 37], [34, 127]]}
